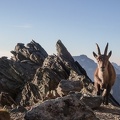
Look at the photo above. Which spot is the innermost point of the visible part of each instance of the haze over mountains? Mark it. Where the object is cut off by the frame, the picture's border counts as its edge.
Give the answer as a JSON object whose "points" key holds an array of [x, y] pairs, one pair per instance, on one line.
{"points": [[90, 65]]}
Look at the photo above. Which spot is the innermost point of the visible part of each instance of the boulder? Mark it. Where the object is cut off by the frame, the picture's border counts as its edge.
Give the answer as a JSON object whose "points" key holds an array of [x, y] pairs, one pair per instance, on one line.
{"points": [[4, 114], [93, 102], [63, 108], [66, 86]]}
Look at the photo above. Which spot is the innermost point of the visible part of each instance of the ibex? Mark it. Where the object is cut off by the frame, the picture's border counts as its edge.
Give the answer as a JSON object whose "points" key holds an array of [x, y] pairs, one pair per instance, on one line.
{"points": [[104, 76]]}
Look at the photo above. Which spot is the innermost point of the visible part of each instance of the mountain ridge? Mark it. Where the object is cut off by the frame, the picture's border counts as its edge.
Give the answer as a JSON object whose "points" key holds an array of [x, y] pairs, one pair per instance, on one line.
{"points": [[34, 84]]}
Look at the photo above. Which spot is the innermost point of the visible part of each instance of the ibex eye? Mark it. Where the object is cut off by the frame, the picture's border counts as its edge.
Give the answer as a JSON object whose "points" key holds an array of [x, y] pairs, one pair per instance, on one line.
{"points": [[98, 60]]}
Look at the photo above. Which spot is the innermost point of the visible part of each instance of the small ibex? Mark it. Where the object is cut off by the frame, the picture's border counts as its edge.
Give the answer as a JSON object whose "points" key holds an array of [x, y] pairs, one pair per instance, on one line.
{"points": [[104, 76]]}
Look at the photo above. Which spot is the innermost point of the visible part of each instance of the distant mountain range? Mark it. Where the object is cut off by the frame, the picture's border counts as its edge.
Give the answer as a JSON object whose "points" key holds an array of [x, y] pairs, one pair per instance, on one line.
{"points": [[89, 65]]}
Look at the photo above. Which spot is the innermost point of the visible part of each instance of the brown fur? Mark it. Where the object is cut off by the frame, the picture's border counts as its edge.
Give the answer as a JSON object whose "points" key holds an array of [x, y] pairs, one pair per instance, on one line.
{"points": [[104, 76]]}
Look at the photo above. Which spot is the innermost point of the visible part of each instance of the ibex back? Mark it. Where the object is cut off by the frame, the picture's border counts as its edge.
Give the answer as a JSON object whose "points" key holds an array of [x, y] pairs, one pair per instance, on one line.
{"points": [[104, 76]]}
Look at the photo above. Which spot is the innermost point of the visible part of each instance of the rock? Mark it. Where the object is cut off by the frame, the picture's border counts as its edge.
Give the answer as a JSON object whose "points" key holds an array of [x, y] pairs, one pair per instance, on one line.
{"points": [[19, 109], [63, 108], [4, 115], [18, 113], [32, 76], [66, 86], [17, 72], [5, 99], [75, 71], [29, 95], [68, 60], [47, 81], [33, 52], [62, 52], [54, 63], [28, 82], [93, 102], [14, 75]]}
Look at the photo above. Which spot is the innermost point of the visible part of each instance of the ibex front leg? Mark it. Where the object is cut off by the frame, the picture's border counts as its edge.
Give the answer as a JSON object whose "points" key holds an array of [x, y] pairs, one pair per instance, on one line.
{"points": [[97, 88], [106, 94], [97, 85]]}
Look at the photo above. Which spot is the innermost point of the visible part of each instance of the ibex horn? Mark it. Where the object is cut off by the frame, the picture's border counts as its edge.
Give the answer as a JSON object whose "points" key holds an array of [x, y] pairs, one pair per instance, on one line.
{"points": [[106, 48], [99, 53]]}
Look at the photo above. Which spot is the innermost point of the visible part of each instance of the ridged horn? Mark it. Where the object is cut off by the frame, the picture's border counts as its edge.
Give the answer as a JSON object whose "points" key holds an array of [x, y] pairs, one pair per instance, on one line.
{"points": [[98, 49], [106, 48]]}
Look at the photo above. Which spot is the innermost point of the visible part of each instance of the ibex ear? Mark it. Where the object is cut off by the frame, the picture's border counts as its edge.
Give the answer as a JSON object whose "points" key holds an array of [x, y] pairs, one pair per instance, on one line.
{"points": [[109, 54], [94, 54]]}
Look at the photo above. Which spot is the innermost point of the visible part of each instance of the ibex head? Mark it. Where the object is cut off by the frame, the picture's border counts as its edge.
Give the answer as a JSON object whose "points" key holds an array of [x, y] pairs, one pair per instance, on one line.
{"points": [[102, 59]]}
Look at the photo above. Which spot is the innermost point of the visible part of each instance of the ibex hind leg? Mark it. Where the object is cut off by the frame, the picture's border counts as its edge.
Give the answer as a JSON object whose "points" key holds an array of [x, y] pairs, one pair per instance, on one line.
{"points": [[98, 90]]}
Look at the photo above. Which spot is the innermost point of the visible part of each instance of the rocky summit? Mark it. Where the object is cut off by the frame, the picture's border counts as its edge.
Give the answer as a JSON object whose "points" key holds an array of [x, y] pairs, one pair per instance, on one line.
{"points": [[38, 86]]}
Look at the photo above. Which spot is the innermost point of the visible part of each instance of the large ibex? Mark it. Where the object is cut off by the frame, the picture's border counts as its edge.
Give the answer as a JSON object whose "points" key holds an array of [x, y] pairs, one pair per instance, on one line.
{"points": [[104, 76]]}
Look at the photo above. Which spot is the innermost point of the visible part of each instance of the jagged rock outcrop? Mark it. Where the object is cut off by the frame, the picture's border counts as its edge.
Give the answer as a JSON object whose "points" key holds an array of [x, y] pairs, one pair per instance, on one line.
{"points": [[17, 73], [13, 75], [54, 69], [31, 79], [31, 52], [93, 102], [68, 60], [32, 76]]}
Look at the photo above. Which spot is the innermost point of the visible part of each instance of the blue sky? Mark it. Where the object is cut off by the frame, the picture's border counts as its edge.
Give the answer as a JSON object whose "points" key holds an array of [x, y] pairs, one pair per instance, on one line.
{"points": [[78, 23]]}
